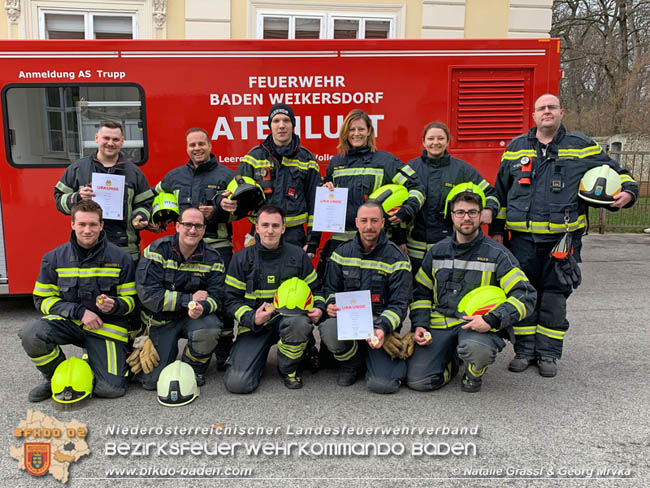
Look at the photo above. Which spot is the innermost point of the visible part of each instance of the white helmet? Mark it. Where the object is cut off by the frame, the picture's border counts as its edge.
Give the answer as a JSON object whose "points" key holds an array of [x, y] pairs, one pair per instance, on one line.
{"points": [[599, 185], [177, 385]]}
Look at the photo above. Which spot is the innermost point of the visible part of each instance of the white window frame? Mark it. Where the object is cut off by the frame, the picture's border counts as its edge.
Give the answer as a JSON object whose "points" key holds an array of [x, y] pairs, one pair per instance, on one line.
{"points": [[292, 23], [394, 13], [88, 15]]}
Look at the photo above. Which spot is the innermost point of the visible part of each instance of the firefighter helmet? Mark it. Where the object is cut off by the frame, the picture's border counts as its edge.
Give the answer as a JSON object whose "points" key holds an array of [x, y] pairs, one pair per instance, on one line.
{"points": [[72, 381], [390, 197], [248, 193], [599, 185], [177, 385], [293, 297], [165, 209], [460, 188], [481, 300]]}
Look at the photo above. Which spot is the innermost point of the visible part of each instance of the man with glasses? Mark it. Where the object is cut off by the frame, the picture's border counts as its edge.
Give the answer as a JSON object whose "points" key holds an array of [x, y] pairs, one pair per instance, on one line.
{"points": [[180, 285], [451, 269], [537, 186]]}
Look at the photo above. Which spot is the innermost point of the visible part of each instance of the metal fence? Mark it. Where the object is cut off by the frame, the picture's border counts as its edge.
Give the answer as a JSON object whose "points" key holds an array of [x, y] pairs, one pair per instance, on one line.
{"points": [[634, 219]]}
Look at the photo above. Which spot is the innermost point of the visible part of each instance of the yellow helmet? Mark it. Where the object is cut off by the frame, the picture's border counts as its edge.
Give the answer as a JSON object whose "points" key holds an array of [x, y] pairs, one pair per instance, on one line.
{"points": [[390, 197], [599, 185], [293, 297], [72, 381], [164, 209], [481, 300], [460, 188], [248, 193]]}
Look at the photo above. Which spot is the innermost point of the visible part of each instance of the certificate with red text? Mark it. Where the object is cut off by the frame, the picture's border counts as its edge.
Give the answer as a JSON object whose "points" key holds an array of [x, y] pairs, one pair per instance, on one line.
{"points": [[109, 194], [329, 209], [354, 319]]}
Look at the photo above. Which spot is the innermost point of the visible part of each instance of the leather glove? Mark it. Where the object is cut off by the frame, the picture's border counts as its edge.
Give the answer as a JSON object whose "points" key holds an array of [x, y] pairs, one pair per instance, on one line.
{"points": [[148, 356], [134, 361], [568, 271], [408, 345], [393, 345]]}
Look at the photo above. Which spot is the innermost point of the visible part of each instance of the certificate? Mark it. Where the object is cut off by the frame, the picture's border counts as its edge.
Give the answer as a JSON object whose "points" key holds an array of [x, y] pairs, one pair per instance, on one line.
{"points": [[109, 194], [329, 209], [354, 320]]}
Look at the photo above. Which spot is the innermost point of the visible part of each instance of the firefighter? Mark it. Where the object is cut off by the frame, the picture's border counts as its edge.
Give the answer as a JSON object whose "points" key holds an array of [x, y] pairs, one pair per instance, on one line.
{"points": [[362, 169], [537, 186], [439, 173], [253, 277], [452, 268], [180, 285], [75, 185], [86, 291], [202, 183], [370, 261], [289, 175]]}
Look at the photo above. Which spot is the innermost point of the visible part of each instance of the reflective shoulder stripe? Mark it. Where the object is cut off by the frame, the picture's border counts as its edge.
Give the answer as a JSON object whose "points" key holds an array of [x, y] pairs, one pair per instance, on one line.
{"points": [[218, 267], [483, 184], [422, 278], [303, 165], [256, 163], [159, 188], [46, 290], [296, 220], [357, 172], [466, 265], [235, 283], [580, 153], [371, 264], [88, 272], [511, 278], [518, 154]]}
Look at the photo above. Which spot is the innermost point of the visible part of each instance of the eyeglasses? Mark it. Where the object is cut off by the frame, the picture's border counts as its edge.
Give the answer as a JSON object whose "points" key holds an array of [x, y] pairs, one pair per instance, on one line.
{"points": [[189, 225], [544, 108], [461, 213]]}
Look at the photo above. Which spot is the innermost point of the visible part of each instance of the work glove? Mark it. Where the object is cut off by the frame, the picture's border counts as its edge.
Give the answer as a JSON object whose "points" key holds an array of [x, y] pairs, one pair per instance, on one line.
{"points": [[568, 271], [408, 345], [149, 357], [393, 345], [134, 361]]}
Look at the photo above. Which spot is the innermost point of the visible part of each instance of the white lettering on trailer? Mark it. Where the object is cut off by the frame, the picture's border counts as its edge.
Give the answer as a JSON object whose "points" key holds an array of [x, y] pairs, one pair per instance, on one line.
{"points": [[236, 99], [223, 127], [115, 75], [325, 98], [318, 81], [68, 75]]}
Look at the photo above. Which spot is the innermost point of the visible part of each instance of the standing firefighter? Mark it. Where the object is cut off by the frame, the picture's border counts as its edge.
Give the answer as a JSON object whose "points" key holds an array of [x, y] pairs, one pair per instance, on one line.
{"points": [[75, 185], [537, 186], [86, 290]]}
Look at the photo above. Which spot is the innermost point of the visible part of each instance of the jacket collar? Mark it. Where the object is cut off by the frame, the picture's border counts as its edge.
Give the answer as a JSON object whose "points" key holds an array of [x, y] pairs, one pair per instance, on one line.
{"points": [[443, 160], [196, 256], [203, 167], [383, 239]]}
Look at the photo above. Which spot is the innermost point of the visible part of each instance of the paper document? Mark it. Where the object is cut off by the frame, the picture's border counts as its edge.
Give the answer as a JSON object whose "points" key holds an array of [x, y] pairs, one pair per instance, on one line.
{"points": [[354, 320], [109, 194], [329, 210]]}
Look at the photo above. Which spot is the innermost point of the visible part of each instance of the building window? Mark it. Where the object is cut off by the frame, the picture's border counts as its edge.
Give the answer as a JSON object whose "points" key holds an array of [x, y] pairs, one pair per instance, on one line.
{"points": [[326, 26], [74, 24]]}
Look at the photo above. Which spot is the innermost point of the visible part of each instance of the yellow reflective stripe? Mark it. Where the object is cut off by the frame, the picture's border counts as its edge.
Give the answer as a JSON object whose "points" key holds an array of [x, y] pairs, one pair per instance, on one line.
{"points": [[45, 290], [417, 195], [108, 330], [407, 170], [311, 277], [213, 304], [501, 214], [580, 153], [370, 264], [318, 298], [376, 172], [159, 188], [63, 187], [296, 220], [242, 330], [511, 278], [347, 355], [292, 351], [422, 278], [130, 303], [188, 354], [169, 301], [48, 303], [239, 313], [255, 294], [256, 163], [627, 179], [528, 330], [111, 358], [344, 236], [400, 179], [392, 317], [47, 358], [492, 198], [303, 165], [518, 154], [439, 321], [486, 276], [463, 264], [146, 318], [552, 333], [476, 373], [483, 184], [521, 308], [153, 256], [421, 304], [235, 283], [141, 197], [88, 272], [127, 288], [546, 227]]}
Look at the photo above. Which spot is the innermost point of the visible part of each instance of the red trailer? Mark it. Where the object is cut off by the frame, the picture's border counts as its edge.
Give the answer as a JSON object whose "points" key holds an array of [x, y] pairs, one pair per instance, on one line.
{"points": [[54, 93]]}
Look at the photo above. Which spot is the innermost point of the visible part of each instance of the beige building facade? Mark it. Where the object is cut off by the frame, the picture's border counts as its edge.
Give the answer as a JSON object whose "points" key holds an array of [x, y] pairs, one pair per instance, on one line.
{"points": [[274, 19]]}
